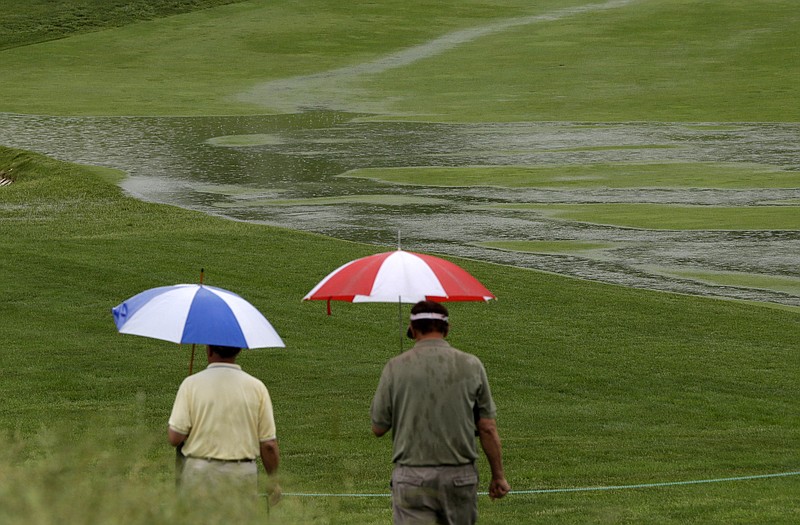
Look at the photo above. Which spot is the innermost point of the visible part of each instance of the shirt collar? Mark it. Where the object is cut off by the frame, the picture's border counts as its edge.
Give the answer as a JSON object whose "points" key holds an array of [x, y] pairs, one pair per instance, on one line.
{"points": [[224, 365], [431, 343]]}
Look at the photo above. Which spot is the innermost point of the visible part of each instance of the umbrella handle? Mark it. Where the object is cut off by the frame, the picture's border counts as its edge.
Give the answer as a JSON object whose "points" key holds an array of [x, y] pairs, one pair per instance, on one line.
{"points": [[191, 360], [400, 320]]}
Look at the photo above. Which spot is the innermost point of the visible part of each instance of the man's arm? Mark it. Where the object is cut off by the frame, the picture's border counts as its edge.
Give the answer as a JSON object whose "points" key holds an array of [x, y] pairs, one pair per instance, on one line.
{"points": [[270, 457], [490, 442], [175, 438], [380, 409]]}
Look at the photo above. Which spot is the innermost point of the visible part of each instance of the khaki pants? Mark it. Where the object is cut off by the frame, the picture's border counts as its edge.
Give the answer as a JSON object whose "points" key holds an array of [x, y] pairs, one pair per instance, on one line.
{"points": [[441, 495], [201, 477]]}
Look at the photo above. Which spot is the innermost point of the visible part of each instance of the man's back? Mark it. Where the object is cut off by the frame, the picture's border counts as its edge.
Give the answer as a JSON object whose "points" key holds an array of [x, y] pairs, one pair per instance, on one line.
{"points": [[225, 412], [426, 395]]}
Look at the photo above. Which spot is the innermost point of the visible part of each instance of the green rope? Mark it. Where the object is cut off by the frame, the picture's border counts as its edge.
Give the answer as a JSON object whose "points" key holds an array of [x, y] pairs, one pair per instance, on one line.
{"points": [[575, 489]]}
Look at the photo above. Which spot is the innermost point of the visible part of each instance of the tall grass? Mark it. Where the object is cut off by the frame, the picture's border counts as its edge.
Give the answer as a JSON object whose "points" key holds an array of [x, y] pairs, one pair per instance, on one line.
{"points": [[104, 474]]}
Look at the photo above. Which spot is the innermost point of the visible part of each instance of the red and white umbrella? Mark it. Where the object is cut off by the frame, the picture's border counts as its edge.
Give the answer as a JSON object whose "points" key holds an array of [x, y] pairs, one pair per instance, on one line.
{"points": [[399, 276]]}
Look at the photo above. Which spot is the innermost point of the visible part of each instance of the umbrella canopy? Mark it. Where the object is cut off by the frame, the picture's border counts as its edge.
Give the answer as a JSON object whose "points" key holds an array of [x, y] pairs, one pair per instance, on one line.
{"points": [[198, 314], [399, 276]]}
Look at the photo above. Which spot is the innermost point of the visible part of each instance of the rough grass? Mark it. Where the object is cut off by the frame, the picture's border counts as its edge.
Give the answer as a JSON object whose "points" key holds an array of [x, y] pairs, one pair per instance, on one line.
{"points": [[34, 21], [596, 384]]}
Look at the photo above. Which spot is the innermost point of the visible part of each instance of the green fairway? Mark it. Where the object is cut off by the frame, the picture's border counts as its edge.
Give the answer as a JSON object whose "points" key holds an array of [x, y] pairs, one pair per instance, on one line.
{"points": [[655, 60], [594, 384], [162, 67], [652, 60], [669, 217], [673, 175]]}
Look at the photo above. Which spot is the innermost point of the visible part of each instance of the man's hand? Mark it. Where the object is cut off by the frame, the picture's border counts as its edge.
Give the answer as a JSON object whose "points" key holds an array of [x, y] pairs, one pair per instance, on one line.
{"points": [[274, 493], [490, 441], [498, 488]]}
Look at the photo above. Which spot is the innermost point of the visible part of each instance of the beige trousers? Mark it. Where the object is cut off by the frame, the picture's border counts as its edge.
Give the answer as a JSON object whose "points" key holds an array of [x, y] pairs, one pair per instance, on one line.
{"points": [[441, 495], [202, 476]]}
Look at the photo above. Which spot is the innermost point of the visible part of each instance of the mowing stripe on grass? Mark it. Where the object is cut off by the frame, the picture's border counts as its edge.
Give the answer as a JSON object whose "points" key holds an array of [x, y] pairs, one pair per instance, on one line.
{"points": [[291, 95], [574, 489]]}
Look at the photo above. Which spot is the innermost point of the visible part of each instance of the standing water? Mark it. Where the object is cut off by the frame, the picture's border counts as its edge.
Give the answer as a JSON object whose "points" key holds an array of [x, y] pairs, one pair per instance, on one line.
{"points": [[284, 170]]}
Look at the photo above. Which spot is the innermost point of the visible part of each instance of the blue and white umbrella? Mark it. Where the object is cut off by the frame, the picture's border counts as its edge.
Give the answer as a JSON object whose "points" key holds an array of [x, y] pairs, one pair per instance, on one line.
{"points": [[196, 314]]}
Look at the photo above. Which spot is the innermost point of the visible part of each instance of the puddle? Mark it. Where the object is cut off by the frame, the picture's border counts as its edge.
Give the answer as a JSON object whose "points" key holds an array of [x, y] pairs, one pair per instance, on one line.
{"points": [[239, 167]]}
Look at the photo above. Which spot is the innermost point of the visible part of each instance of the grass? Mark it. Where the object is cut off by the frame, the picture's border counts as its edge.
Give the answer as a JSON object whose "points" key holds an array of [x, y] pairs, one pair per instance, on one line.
{"points": [[375, 200], [594, 384], [658, 60], [672, 217], [622, 175], [257, 139], [161, 66], [654, 60], [553, 247], [36, 21], [778, 283]]}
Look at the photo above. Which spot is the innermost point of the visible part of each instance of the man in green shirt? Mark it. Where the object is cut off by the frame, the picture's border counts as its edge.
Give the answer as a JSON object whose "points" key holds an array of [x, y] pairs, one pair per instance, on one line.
{"points": [[434, 398]]}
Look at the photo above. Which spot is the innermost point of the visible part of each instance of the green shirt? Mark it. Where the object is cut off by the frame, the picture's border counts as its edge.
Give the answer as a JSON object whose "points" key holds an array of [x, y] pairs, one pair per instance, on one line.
{"points": [[427, 395]]}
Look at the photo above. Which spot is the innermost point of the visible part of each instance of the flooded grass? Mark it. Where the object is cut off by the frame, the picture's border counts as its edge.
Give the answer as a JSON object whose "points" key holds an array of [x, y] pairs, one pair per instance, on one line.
{"points": [[619, 175], [293, 180], [380, 200], [667, 217], [423, 90], [551, 247], [258, 139], [789, 285]]}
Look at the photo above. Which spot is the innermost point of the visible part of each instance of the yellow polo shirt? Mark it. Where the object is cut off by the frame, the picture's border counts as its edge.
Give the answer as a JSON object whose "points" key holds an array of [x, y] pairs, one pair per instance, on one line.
{"points": [[225, 413]]}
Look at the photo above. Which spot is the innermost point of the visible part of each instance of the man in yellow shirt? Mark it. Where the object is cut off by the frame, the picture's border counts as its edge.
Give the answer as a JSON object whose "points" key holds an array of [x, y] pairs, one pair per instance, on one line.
{"points": [[223, 418]]}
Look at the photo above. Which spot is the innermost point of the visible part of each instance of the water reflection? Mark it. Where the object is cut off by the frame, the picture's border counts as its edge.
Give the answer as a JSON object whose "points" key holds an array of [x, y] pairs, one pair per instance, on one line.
{"points": [[240, 167]]}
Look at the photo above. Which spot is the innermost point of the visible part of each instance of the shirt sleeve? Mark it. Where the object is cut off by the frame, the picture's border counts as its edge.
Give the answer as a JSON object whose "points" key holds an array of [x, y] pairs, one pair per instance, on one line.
{"points": [[381, 409], [484, 401], [180, 418], [266, 419]]}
